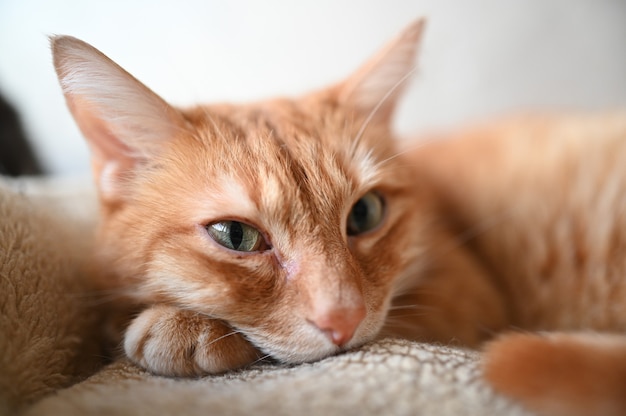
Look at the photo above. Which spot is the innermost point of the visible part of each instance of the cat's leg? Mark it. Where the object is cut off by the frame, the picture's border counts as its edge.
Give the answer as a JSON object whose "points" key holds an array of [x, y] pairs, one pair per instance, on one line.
{"points": [[560, 373], [170, 341]]}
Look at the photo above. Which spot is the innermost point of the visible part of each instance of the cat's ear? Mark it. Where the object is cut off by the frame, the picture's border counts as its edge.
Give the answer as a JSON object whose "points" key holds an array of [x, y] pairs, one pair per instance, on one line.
{"points": [[374, 88], [124, 122]]}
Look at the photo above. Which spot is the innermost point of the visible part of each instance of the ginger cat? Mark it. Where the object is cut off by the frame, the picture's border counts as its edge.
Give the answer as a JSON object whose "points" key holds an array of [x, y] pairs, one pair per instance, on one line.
{"points": [[299, 228]]}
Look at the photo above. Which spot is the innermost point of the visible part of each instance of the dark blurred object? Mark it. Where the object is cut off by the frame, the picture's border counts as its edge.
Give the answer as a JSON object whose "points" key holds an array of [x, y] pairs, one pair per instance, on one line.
{"points": [[16, 156]]}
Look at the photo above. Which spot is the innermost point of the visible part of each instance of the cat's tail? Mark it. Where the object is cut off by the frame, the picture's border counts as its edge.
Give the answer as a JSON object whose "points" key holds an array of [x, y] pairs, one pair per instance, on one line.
{"points": [[560, 373]]}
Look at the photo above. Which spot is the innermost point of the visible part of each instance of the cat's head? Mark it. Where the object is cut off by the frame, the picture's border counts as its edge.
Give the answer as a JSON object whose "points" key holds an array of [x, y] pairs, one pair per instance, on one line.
{"points": [[290, 219]]}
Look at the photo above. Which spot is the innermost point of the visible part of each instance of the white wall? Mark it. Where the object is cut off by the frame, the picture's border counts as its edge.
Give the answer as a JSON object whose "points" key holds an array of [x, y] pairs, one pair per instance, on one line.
{"points": [[480, 57]]}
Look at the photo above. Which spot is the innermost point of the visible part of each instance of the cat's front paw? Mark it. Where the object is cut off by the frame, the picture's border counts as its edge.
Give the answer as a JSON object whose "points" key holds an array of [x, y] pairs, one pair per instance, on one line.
{"points": [[169, 341]]}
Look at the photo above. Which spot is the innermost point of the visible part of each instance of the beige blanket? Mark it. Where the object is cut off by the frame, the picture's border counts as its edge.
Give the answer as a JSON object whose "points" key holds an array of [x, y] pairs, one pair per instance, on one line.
{"points": [[49, 357]]}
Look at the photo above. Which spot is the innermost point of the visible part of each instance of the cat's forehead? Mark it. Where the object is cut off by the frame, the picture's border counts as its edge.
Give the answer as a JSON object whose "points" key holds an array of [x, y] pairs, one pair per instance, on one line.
{"points": [[266, 158], [310, 141]]}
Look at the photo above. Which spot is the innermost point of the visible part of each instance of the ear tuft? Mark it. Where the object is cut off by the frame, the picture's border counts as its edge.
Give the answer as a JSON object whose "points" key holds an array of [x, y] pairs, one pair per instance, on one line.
{"points": [[377, 85]]}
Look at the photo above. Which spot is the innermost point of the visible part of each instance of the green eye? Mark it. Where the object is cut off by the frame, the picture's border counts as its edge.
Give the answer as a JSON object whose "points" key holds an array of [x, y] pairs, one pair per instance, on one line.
{"points": [[236, 235], [366, 214]]}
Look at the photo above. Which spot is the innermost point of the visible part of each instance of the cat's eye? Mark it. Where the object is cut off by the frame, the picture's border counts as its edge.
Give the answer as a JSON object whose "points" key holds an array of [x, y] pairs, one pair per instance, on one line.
{"points": [[366, 214], [236, 236]]}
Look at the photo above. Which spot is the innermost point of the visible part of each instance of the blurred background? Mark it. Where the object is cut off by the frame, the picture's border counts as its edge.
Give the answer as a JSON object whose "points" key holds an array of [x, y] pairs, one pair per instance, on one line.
{"points": [[480, 58]]}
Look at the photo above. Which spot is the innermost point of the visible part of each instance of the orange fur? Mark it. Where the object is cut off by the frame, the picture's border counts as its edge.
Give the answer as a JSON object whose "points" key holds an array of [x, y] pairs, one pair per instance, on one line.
{"points": [[541, 203], [512, 225], [561, 374]]}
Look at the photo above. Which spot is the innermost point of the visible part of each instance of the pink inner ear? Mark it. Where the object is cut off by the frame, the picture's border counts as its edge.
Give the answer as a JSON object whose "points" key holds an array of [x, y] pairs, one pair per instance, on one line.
{"points": [[110, 157], [122, 119], [103, 142]]}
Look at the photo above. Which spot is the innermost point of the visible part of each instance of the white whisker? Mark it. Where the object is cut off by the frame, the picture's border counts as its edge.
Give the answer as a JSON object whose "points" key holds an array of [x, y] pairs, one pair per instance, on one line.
{"points": [[224, 336], [377, 107], [391, 318], [418, 145], [258, 360], [403, 307]]}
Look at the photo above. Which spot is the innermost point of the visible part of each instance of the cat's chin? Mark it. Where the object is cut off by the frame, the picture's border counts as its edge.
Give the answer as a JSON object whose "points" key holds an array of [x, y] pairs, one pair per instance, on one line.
{"points": [[311, 350], [302, 343], [298, 357]]}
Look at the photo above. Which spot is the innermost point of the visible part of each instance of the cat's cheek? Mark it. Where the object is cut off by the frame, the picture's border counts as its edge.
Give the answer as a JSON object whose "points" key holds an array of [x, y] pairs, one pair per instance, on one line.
{"points": [[173, 342]]}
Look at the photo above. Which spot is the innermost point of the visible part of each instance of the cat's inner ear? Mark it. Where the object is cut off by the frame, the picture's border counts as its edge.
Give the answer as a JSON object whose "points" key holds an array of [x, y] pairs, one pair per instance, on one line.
{"points": [[374, 88], [124, 122]]}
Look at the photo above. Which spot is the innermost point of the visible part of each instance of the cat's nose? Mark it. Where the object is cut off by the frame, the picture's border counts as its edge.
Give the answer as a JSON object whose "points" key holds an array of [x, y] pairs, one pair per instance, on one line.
{"points": [[339, 325]]}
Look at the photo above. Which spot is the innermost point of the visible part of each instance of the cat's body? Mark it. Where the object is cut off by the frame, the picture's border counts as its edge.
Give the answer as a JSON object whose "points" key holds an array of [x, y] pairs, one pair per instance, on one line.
{"points": [[541, 201], [298, 228]]}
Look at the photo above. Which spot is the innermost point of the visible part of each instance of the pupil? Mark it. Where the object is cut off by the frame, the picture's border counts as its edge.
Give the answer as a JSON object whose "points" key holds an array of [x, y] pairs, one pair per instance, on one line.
{"points": [[360, 212], [236, 234]]}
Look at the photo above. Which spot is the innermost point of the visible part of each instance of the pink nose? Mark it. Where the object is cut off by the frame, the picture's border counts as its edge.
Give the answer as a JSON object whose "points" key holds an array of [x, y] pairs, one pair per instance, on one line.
{"points": [[339, 324]]}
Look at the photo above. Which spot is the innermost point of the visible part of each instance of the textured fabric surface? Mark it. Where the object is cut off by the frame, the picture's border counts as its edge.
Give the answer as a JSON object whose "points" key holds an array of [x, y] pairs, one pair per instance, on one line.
{"points": [[390, 377], [47, 341], [44, 315]]}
